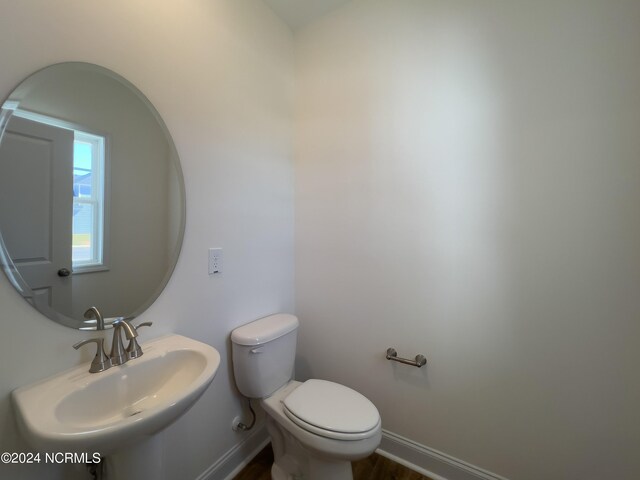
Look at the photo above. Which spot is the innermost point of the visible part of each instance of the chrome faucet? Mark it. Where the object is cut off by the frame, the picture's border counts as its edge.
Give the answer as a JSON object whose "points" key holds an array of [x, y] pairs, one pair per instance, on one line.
{"points": [[118, 353], [93, 312]]}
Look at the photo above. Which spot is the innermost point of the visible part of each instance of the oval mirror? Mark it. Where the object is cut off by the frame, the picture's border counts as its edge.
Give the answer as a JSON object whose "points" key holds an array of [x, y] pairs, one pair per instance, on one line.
{"points": [[92, 203]]}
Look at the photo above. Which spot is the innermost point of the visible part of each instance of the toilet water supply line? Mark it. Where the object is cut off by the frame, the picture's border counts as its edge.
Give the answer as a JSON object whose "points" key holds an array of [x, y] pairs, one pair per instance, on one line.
{"points": [[242, 426]]}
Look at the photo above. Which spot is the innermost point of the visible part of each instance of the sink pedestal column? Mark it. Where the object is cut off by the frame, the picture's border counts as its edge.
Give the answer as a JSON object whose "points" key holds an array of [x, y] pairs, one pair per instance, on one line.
{"points": [[142, 460]]}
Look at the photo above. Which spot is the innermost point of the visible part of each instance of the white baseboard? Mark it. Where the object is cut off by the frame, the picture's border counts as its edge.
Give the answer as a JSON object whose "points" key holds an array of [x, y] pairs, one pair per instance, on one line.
{"points": [[430, 462], [421, 459], [230, 464]]}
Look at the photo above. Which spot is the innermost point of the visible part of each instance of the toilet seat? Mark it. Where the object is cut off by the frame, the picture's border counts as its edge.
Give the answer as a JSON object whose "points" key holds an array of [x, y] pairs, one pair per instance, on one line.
{"points": [[331, 410]]}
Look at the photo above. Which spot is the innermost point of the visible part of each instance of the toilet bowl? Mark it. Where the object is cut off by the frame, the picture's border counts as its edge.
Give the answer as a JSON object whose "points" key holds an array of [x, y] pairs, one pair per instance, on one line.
{"points": [[316, 427]]}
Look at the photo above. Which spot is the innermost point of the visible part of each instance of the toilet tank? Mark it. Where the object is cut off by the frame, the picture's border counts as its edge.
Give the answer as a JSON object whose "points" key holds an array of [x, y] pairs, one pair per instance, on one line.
{"points": [[264, 353]]}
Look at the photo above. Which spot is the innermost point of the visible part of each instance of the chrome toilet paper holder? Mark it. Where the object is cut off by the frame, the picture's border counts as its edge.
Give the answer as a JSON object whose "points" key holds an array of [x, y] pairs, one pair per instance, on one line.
{"points": [[419, 361]]}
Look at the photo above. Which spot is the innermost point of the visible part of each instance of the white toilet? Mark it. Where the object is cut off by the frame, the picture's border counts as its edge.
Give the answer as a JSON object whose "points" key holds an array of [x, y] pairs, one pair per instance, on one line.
{"points": [[317, 427]]}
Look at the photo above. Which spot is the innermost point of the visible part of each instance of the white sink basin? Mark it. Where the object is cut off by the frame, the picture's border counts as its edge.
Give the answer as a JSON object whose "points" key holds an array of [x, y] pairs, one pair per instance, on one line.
{"points": [[78, 411]]}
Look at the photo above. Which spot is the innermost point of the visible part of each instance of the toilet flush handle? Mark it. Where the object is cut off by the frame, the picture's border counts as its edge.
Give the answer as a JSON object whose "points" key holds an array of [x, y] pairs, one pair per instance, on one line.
{"points": [[256, 350]]}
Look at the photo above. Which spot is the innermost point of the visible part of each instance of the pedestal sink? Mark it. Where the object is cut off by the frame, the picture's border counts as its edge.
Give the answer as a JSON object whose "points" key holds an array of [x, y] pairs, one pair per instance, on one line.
{"points": [[118, 411]]}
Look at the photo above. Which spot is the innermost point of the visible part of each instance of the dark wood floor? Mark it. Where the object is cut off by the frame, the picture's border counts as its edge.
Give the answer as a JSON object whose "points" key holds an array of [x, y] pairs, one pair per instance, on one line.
{"points": [[374, 467]]}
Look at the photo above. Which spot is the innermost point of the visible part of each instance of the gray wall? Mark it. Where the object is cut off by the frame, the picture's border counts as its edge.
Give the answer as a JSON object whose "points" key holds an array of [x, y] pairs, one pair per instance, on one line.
{"points": [[467, 187]]}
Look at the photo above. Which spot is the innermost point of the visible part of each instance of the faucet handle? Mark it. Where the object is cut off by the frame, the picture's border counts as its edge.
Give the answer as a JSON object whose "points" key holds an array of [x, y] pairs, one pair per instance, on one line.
{"points": [[101, 361], [133, 349]]}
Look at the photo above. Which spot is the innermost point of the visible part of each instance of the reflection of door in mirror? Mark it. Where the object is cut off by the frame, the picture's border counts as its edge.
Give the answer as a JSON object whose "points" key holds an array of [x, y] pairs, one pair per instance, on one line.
{"points": [[35, 192]]}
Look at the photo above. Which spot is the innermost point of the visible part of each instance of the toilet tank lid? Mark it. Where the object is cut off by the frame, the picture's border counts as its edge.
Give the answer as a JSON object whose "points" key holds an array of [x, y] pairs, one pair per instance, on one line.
{"points": [[265, 329]]}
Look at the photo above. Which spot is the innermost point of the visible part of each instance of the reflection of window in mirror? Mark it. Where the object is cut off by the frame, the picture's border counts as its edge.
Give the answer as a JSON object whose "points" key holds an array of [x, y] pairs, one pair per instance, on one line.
{"points": [[88, 200]]}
